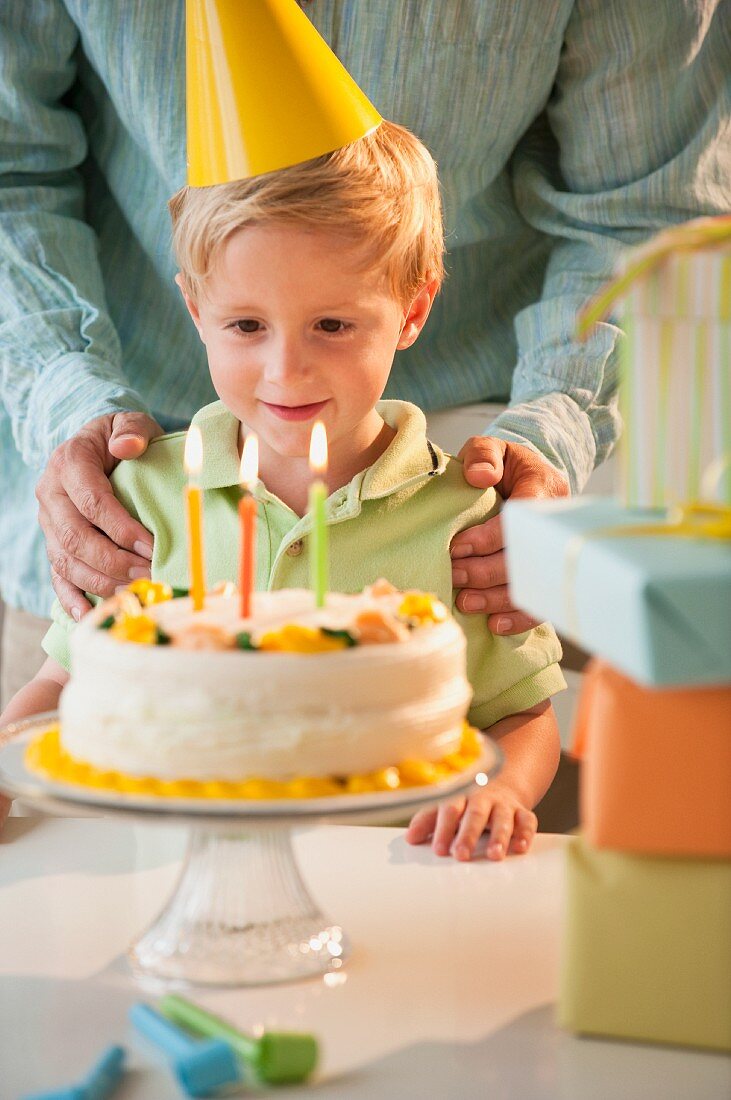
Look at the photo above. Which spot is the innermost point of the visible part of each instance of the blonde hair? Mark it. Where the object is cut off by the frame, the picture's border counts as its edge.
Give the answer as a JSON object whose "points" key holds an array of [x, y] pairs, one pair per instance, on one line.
{"points": [[381, 190]]}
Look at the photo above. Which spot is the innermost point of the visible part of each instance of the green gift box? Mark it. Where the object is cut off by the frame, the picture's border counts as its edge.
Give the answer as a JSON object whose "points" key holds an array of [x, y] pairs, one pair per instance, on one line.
{"points": [[647, 952]]}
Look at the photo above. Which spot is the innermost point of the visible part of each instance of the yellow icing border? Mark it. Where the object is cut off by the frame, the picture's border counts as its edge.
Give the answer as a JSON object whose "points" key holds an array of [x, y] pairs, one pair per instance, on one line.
{"points": [[46, 757]]}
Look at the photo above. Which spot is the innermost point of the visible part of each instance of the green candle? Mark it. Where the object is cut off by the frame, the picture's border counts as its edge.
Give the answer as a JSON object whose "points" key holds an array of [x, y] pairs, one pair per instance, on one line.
{"points": [[317, 498]]}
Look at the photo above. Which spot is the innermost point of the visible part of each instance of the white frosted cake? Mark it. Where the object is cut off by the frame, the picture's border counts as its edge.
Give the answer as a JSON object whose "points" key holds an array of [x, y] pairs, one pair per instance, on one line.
{"points": [[166, 692]]}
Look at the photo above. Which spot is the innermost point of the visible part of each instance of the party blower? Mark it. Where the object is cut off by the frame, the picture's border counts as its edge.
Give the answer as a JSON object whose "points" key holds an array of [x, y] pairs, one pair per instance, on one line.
{"points": [[276, 1058], [100, 1082], [201, 1068]]}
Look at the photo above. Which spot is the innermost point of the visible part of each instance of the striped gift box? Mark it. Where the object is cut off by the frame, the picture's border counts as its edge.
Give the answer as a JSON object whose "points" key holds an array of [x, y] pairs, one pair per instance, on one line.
{"points": [[673, 300]]}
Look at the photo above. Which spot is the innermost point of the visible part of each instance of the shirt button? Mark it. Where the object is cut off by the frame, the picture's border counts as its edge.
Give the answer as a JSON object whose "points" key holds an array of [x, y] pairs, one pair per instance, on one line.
{"points": [[295, 548]]}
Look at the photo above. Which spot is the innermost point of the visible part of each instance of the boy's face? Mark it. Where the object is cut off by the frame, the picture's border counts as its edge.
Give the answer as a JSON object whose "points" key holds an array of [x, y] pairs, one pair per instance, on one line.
{"points": [[296, 331]]}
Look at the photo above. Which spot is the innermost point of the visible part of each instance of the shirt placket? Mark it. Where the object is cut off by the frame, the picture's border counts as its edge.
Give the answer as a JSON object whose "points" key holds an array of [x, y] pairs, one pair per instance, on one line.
{"points": [[290, 565]]}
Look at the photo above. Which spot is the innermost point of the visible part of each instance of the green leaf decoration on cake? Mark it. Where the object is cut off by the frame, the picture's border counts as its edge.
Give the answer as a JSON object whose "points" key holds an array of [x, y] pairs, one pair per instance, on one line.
{"points": [[161, 638], [345, 635], [243, 641], [178, 593], [107, 624]]}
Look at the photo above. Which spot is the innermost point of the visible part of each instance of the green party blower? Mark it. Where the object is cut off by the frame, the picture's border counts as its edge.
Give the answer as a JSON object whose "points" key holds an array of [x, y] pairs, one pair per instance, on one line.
{"points": [[277, 1058]]}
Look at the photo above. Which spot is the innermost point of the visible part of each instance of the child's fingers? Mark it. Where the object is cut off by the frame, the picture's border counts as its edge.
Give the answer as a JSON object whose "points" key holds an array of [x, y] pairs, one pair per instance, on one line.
{"points": [[457, 826], [421, 826], [471, 828], [502, 819], [524, 829], [448, 816]]}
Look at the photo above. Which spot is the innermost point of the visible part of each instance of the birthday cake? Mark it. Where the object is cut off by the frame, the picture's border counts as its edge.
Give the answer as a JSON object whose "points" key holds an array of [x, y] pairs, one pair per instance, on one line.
{"points": [[366, 692]]}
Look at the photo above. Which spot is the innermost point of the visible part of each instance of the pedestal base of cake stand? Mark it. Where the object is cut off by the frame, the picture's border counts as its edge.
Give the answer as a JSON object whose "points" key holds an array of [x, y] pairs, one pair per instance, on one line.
{"points": [[240, 915]]}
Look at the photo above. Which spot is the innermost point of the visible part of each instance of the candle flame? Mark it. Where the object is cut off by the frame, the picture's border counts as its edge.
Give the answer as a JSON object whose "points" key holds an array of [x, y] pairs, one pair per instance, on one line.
{"points": [[318, 448], [193, 456], [249, 463]]}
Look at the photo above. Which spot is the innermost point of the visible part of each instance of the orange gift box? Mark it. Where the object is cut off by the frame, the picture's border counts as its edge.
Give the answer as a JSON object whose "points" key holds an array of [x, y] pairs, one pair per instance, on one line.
{"points": [[656, 766]]}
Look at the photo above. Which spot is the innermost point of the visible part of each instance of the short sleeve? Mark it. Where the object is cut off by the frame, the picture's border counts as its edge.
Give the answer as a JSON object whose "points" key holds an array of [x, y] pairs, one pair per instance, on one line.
{"points": [[509, 674], [57, 640]]}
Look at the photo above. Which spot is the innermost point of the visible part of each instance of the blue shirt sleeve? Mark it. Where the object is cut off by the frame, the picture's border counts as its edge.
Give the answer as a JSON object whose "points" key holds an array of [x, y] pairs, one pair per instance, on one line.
{"points": [[634, 138], [60, 359]]}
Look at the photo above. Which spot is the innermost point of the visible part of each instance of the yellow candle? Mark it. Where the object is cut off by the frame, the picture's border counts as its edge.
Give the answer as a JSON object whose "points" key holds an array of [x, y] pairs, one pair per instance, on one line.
{"points": [[247, 523], [193, 460], [317, 497]]}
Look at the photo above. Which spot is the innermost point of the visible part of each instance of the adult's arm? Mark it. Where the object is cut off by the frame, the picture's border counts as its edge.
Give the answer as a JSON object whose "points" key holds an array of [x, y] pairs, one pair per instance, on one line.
{"points": [[635, 137], [60, 358]]}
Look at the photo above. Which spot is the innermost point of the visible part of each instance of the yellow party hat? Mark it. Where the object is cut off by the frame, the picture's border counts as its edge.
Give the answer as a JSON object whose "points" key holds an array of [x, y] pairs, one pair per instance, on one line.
{"points": [[264, 91]]}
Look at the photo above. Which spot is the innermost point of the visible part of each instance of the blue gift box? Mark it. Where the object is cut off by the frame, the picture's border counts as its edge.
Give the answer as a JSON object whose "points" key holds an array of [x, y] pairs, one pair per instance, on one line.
{"points": [[656, 607]]}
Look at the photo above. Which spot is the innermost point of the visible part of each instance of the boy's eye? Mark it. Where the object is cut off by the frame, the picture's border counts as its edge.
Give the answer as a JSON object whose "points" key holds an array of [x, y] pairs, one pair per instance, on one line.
{"points": [[247, 326], [331, 324]]}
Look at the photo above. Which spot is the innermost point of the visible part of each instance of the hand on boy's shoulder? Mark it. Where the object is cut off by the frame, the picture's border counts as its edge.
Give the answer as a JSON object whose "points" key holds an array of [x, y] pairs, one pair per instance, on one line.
{"points": [[131, 434], [91, 541], [511, 468], [479, 567]]}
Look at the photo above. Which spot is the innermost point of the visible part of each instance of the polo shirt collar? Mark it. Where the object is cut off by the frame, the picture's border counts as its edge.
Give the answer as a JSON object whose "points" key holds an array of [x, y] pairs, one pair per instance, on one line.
{"points": [[408, 460]]}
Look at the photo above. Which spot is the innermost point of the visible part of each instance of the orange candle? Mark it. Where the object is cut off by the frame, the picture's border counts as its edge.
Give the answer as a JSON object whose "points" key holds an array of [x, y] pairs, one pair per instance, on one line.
{"points": [[193, 460], [247, 522]]}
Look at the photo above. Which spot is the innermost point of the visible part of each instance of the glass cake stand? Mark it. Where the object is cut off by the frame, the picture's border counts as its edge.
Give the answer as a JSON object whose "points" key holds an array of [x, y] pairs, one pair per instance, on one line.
{"points": [[240, 913]]}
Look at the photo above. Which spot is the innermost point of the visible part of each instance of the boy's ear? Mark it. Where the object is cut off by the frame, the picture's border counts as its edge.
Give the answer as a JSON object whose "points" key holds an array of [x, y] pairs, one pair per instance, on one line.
{"points": [[192, 307], [416, 315]]}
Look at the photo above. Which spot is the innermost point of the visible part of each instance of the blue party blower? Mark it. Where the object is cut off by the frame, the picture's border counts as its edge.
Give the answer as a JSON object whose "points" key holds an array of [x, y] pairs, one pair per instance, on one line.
{"points": [[200, 1067], [100, 1082]]}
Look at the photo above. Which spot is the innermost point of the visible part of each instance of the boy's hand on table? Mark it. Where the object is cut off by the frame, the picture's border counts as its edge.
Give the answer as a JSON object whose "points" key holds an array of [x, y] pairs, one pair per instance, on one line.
{"points": [[457, 825], [92, 543], [479, 565]]}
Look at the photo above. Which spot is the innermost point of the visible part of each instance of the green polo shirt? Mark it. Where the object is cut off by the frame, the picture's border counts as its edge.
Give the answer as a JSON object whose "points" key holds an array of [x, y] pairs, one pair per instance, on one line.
{"points": [[395, 519]]}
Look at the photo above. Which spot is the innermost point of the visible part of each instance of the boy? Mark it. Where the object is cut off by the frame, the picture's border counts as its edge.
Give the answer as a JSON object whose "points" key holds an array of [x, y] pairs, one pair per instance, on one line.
{"points": [[303, 284]]}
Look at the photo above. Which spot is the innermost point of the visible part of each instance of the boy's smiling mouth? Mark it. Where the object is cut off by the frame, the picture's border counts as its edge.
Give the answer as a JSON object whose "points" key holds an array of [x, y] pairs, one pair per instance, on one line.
{"points": [[296, 412]]}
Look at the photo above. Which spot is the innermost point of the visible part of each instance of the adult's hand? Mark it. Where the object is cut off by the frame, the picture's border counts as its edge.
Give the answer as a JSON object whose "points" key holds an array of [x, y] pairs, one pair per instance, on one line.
{"points": [[479, 567], [92, 543]]}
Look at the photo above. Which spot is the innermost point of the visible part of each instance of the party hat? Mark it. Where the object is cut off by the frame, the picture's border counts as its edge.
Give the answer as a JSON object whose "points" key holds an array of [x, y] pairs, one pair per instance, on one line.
{"points": [[264, 91]]}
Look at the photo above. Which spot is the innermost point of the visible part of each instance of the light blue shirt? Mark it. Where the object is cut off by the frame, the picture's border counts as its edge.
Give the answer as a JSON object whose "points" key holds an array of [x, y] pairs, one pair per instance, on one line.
{"points": [[563, 131]]}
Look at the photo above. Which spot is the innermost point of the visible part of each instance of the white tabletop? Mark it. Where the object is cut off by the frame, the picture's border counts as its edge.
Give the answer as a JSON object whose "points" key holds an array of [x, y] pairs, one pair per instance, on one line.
{"points": [[449, 992]]}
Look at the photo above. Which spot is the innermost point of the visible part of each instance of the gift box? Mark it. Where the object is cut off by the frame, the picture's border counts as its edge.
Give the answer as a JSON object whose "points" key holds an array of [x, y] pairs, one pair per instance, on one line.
{"points": [[647, 951], [656, 606], [672, 299], [656, 774]]}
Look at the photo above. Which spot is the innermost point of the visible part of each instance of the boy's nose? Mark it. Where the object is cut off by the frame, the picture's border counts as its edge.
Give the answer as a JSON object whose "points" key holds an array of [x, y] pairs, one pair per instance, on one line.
{"points": [[286, 362]]}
